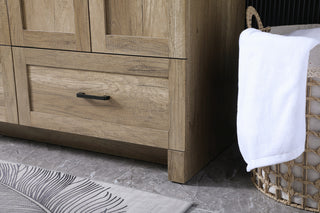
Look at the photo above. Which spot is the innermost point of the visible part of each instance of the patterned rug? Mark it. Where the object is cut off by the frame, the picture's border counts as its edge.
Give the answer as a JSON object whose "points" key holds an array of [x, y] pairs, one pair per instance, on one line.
{"points": [[29, 189]]}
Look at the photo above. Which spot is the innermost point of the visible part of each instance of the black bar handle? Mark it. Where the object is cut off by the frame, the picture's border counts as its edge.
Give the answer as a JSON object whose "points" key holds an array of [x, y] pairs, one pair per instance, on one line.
{"points": [[84, 95]]}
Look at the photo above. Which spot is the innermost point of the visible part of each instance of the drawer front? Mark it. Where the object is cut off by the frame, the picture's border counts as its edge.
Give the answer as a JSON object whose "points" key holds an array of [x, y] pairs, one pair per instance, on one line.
{"points": [[4, 24], [8, 105], [138, 27], [56, 24], [136, 112]]}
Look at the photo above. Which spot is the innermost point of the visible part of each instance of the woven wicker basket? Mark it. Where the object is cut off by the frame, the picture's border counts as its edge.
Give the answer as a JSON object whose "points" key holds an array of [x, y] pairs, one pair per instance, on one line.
{"points": [[297, 183]]}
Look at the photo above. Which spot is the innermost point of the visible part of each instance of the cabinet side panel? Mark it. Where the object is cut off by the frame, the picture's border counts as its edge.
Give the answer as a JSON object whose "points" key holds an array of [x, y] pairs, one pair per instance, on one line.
{"points": [[211, 82]]}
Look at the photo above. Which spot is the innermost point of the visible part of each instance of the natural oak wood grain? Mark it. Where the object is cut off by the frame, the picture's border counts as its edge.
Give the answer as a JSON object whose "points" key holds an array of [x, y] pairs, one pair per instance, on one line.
{"points": [[100, 129], [136, 101], [8, 106], [4, 24], [136, 45], [124, 17], [117, 148], [179, 12], [1, 91], [147, 18], [139, 66], [136, 113], [178, 93], [48, 15], [22, 87], [208, 87], [137, 27], [55, 24], [177, 88]]}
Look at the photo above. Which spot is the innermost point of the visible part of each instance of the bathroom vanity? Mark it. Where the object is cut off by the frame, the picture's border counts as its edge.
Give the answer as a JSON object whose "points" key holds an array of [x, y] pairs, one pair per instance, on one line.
{"points": [[135, 78]]}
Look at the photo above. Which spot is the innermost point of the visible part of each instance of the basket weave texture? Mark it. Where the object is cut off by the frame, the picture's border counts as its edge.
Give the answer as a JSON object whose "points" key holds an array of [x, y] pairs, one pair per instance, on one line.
{"points": [[297, 183]]}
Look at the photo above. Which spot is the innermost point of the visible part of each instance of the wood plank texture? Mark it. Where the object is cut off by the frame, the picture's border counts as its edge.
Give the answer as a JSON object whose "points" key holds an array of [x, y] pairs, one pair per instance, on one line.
{"points": [[147, 18], [48, 15], [4, 24], [178, 93], [22, 85], [82, 24], [136, 113], [117, 148], [51, 40], [137, 45], [54, 24], [98, 25], [155, 22], [1, 90], [135, 101], [8, 86], [179, 12], [124, 17], [142, 66], [210, 85], [138, 27], [177, 88], [3, 115], [100, 129]]}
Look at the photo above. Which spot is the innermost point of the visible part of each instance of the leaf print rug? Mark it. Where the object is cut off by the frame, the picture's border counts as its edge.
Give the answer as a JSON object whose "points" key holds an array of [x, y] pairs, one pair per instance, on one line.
{"points": [[25, 189]]}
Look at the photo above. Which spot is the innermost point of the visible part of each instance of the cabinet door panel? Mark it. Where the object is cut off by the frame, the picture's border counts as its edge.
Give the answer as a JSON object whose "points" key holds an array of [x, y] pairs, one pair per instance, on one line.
{"points": [[139, 27], [48, 15], [4, 25], [56, 24], [137, 18], [8, 105]]}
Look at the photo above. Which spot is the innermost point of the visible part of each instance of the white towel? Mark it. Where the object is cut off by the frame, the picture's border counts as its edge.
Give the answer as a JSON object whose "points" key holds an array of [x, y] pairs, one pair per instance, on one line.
{"points": [[272, 95]]}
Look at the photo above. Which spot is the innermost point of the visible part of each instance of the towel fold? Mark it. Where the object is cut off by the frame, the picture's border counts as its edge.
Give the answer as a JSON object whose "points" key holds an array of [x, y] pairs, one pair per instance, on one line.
{"points": [[272, 95]]}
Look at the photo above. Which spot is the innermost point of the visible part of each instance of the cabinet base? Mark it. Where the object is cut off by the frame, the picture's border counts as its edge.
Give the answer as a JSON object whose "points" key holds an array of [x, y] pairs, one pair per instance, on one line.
{"points": [[181, 167], [117, 148]]}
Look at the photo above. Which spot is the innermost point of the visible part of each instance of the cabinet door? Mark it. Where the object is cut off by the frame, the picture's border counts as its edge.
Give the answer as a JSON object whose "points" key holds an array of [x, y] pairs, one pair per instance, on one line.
{"points": [[139, 27], [8, 104], [56, 24], [4, 25]]}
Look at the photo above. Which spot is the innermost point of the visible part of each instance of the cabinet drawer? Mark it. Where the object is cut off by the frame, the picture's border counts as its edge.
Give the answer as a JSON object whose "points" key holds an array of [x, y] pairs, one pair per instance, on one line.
{"points": [[136, 112], [4, 25]]}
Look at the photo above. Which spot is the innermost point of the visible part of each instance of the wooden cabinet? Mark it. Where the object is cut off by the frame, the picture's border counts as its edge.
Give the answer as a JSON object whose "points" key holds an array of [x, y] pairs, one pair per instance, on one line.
{"points": [[55, 24], [139, 27], [4, 25], [8, 105], [151, 75]]}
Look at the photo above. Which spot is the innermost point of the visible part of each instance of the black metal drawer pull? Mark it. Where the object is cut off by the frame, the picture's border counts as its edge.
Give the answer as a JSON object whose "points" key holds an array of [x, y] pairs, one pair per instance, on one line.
{"points": [[83, 95]]}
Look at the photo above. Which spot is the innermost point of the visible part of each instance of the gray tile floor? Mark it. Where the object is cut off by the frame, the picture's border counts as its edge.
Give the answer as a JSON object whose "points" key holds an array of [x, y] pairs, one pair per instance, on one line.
{"points": [[222, 187]]}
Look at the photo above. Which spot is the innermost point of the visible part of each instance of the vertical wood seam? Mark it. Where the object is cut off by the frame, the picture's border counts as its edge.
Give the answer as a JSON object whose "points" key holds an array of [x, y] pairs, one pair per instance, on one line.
{"points": [[22, 86], [15, 86]]}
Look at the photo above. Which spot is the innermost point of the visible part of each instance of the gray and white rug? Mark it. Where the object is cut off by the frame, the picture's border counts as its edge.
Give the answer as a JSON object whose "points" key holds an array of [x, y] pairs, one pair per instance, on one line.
{"points": [[25, 189]]}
